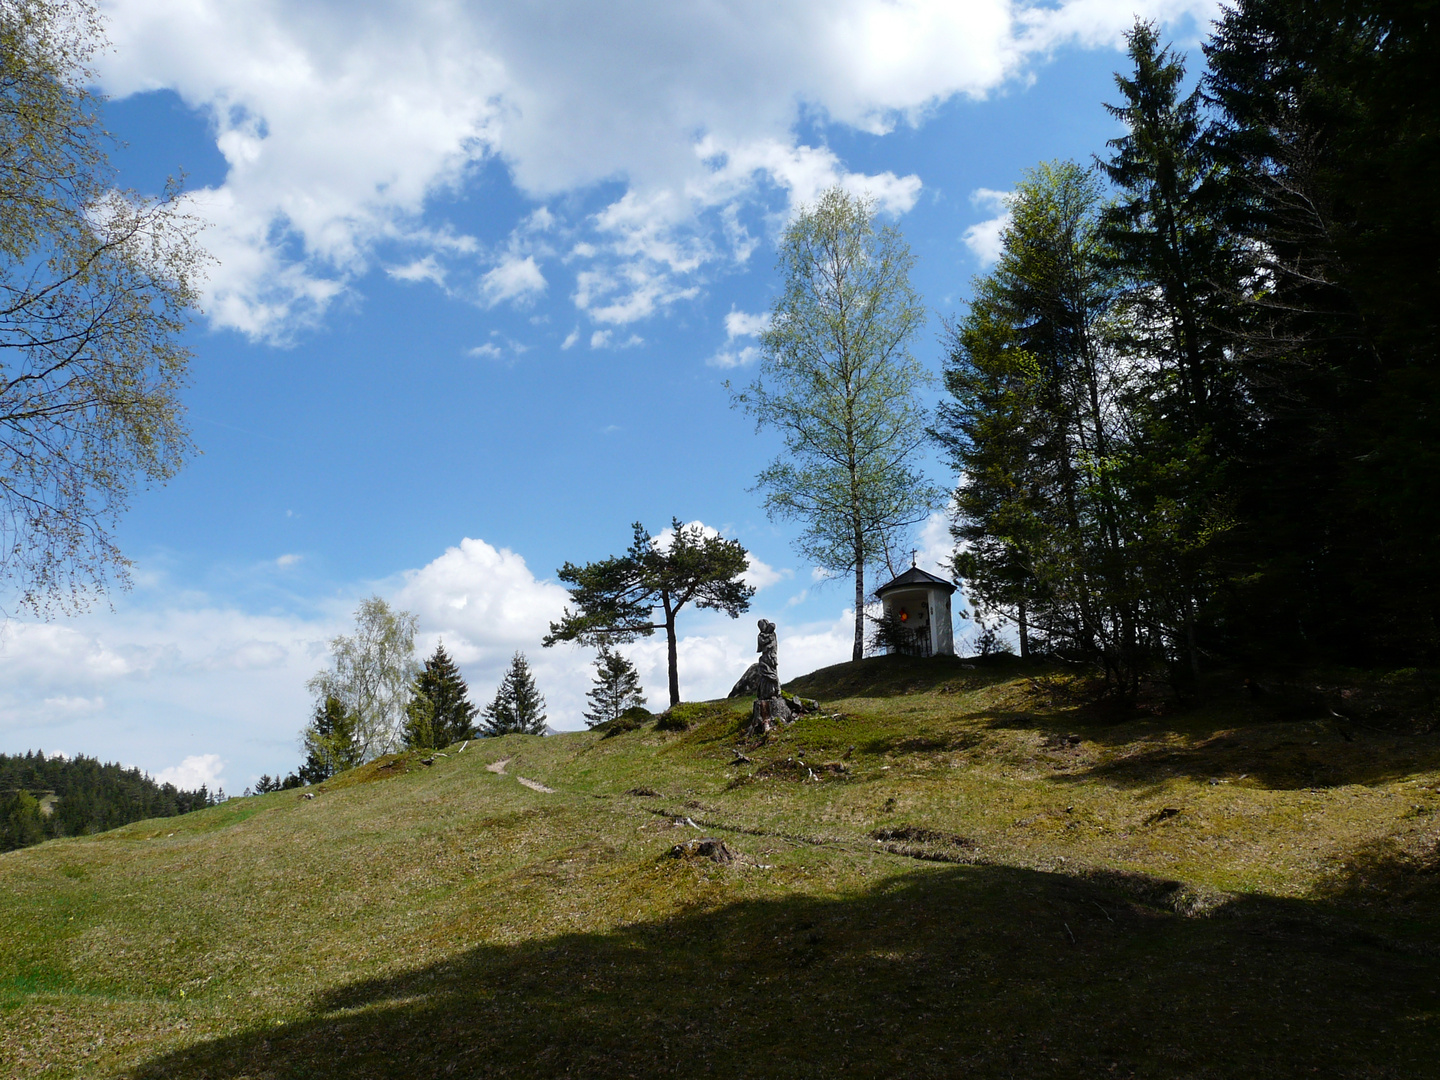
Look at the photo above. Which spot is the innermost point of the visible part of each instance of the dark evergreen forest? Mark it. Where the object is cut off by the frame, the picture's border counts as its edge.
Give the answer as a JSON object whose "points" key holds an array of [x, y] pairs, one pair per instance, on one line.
{"points": [[88, 797], [1195, 407]]}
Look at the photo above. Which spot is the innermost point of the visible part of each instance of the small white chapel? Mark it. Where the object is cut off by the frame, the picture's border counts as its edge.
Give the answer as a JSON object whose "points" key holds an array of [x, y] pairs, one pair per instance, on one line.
{"points": [[920, 603]]}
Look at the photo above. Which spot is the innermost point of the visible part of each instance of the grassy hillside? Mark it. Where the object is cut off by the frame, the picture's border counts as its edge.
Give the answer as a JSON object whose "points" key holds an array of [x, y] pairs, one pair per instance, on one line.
{"points": [[951, 870]]}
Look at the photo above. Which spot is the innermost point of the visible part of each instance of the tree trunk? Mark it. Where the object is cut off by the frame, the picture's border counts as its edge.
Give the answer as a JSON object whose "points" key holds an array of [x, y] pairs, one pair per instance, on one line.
{"points": [[670, 645], [859, 653], [1024, 632]]}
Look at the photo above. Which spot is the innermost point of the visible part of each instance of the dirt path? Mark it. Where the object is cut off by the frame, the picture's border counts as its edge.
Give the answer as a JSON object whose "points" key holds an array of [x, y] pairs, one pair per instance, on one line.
{"points": [[533, 785]]}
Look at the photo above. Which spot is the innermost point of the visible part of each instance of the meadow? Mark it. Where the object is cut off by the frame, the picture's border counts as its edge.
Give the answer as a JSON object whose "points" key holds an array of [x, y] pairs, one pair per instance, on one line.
{"points": [[950, 870]]}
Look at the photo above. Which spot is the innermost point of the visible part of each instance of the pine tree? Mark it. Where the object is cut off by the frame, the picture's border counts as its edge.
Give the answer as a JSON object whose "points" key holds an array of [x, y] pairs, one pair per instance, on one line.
{"points": [[439, 712], [518, 707], [617, 688], [329, 742]]}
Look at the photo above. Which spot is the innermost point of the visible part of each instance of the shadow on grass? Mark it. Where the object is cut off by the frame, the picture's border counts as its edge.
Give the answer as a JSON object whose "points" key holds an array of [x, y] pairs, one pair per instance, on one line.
{"points": [[1286, 761], [973, 971]]}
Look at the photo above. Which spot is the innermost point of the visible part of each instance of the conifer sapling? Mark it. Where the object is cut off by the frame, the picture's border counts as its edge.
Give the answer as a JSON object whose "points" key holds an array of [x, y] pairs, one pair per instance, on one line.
{"points": [[617, 688], [518, 707]]}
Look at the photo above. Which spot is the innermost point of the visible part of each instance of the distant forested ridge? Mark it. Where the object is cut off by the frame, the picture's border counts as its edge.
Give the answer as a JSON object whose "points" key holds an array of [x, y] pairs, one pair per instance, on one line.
{"points": [[42, 798]]}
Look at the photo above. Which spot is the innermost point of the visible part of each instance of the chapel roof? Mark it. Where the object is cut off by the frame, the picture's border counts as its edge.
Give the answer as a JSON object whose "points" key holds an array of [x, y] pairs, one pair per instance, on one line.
{"points": [[915, 578]]}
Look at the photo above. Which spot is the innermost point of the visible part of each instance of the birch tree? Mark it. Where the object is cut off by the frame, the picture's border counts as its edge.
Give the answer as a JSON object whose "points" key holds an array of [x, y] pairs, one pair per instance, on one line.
{"points": [[370, 675], [96, 286], [839, 384]]}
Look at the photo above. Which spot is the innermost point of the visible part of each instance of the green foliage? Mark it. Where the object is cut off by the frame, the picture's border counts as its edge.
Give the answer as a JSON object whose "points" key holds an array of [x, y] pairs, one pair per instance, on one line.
{"points": [[632, 719], [1046, 519], [370, 675], [616, 598], [518, 707], [20, 821], [88, 797], [96, 286], [691, 714], [616, 690], [1201, 420], [838, 382], [439, 711], [891, 635], [329, 742], [1328, 126]]}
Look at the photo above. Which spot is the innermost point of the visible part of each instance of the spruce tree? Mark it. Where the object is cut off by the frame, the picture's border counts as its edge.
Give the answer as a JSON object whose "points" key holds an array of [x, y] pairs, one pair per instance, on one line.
{"points": [[617, 688], [1180, 272], [329, 742], [518, 707], [439, 712]]}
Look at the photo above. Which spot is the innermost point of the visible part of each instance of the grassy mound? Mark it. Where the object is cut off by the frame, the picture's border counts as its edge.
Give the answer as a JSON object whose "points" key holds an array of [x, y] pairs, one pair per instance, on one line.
{"points": [[947, 871], [890, 676]]}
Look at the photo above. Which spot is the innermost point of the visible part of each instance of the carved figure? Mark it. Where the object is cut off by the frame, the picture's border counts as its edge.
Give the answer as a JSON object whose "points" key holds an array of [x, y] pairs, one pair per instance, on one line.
{"points": [[768, 681]]}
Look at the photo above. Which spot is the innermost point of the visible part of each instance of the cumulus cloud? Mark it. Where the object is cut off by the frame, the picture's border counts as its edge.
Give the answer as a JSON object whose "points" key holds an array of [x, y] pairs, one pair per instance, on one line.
{"points": [[740, 324], [985, 239], [744, 324], [516, 279], [193, 772], [337, 130]]}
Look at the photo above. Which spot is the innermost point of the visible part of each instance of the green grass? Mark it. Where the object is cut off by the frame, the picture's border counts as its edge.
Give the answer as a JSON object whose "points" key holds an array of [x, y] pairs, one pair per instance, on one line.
{"points": [[951, 870]]}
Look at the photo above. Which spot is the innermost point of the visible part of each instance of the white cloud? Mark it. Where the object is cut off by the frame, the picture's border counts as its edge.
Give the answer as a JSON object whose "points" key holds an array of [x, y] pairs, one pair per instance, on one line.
{"points": [[284, 562], [489, 351], [337, 130], [67, 706], [740, 324], [426, 269], [515, 279], [194, 771], [937, 546], [485, 604], [146, 685], [985, 239], [253, 655], [743, 324], [758, 574], [570, 338], [734, 358], [600, 339]]}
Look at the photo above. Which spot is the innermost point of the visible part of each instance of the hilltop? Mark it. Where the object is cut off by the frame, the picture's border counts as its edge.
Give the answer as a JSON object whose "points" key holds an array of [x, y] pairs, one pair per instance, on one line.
{"points": [[951, 869]]}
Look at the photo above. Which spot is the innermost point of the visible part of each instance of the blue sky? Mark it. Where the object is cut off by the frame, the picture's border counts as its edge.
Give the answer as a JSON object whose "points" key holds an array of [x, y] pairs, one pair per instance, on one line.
{"points": [[482, 271]]}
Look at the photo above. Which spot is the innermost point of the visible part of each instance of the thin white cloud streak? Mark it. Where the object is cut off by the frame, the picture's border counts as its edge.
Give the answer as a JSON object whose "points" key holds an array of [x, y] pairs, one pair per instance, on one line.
{"points": [[339, 125]]}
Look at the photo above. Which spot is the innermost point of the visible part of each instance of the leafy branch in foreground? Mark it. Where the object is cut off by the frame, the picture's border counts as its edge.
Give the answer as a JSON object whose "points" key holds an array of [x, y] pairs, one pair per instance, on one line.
{"points": [[96, 286]]}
